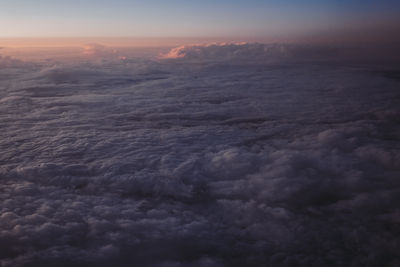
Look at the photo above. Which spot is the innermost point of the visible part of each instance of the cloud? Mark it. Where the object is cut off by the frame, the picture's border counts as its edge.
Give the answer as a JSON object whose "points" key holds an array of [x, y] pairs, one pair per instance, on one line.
{"points": [[228, 51], [240, 53], [96, 49], [173, 163], [9, 62]]}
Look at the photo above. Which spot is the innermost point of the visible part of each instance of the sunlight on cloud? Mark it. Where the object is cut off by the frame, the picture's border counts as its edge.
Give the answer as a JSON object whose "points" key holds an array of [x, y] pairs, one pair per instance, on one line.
{"points": [[227, 51], [167, 162]]}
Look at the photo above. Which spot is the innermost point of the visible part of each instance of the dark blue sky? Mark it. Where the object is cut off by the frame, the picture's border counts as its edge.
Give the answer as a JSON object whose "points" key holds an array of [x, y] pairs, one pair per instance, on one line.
{"points": [[178, 18]]}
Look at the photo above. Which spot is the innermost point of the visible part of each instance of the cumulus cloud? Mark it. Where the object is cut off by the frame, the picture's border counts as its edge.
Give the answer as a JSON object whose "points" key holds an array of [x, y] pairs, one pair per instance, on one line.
{"points": [[229, 51], [101, 52], [96, 49], [174, 163], [240, 53]]}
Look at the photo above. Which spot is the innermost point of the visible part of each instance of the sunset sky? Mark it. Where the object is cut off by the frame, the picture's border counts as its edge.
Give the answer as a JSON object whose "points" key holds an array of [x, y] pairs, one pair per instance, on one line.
{"points": [[178, 18], [208, 133]]}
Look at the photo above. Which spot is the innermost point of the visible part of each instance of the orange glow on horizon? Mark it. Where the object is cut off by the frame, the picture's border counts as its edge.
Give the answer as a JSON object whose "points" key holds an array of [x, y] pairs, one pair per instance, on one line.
{"points": [[120, 42]]}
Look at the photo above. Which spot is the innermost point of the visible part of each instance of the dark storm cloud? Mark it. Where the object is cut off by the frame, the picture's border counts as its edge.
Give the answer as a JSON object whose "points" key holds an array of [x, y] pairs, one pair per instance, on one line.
{"points": [[175, 163]]}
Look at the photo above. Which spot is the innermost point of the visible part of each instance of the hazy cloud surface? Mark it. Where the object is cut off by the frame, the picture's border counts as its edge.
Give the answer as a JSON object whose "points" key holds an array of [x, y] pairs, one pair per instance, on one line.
{"points": [[184, 161]]}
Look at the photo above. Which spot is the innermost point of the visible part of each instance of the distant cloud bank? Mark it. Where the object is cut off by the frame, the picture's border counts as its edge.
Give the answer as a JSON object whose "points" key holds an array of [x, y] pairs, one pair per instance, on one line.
{"points": [[228, 51], [263, 53]]}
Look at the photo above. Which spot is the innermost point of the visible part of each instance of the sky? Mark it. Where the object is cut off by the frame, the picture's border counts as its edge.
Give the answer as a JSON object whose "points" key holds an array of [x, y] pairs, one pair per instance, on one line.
{"points": [[199, 154], [188, 19]]}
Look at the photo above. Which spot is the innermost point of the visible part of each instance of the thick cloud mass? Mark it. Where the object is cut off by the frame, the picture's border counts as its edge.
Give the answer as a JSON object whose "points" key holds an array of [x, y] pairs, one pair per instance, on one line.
{"points": [[230, 51], [174, 163]]}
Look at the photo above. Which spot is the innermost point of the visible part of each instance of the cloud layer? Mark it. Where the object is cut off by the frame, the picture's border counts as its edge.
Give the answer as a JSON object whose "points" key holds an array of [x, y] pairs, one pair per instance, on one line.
{"points": [[229, 51], [244, 53], [174, 163]]}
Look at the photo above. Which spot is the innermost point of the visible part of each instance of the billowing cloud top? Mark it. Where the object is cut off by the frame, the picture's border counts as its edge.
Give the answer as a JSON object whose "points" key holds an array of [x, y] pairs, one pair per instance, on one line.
{"points": [[228, 51], [274, 52], [172, 163], [93, 48]]}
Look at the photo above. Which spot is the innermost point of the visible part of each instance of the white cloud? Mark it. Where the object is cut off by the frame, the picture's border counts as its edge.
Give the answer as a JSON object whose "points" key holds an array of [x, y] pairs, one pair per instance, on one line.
{"points": [[229, 51], [174, 163]]}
